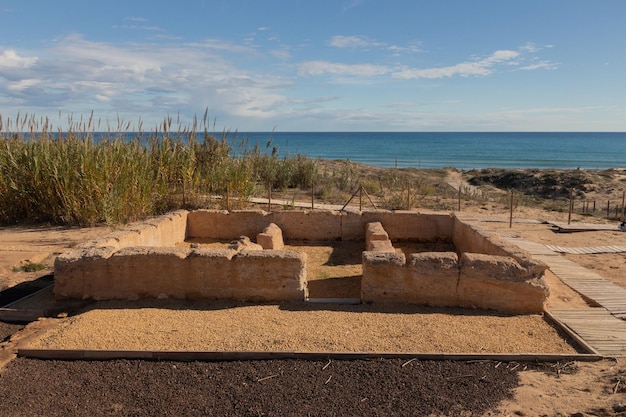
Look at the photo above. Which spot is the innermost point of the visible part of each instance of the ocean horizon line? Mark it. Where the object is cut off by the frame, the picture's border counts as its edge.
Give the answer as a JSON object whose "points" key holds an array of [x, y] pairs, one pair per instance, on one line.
{"points": [[461, 150]]}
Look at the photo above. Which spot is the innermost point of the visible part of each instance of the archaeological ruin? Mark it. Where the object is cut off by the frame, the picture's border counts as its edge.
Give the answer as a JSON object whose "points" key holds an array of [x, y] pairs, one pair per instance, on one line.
{"points": [[158, 259]]}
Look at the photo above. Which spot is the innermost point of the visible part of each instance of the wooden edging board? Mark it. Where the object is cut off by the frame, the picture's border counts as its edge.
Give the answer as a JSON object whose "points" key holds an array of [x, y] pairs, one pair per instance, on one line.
{"points": [[82, 354], [581, 342]]}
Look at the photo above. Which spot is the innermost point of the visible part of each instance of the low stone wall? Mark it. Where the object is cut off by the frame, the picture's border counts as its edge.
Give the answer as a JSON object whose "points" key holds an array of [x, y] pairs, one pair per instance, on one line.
{"points": [[320, 225], [473, 239], [183, 273], [142, 261], [166, 230], [441, 279]]}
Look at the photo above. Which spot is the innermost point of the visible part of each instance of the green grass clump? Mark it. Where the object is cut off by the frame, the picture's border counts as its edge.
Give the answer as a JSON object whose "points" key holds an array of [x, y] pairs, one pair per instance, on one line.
{"points": [[30, 267]]}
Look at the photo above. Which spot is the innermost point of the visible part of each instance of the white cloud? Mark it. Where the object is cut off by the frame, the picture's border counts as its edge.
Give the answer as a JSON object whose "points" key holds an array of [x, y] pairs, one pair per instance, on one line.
{"points": [[315, 68], [340, 41], [150, 79], [22, 84], [362, 42], [481, 67], [10, 59], [281, 54], [139, 79], [540, 65]]}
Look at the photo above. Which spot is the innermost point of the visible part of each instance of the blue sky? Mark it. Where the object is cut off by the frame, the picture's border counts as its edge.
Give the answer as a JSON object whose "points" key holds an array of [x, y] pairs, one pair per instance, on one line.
{"points": [[319, 65]]}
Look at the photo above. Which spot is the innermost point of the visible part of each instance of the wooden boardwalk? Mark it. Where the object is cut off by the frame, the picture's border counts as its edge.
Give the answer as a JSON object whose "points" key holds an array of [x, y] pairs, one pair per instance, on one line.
{"points": [[597, 327], [582, 227], [602, 327], [587, 250]]}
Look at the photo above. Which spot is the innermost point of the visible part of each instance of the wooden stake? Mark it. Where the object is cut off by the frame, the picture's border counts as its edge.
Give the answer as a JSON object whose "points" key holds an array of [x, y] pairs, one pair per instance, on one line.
{"points": [[312, 196], [623, 201], [408, 196], [269, 197], [608, 209], [511, 212], [571, 205], [228, 197], [361, 197]]}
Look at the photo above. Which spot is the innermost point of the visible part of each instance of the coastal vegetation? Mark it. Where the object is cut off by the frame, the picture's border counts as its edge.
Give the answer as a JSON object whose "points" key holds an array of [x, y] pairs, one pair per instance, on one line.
{"points": [[84, 176], [92, 173]]}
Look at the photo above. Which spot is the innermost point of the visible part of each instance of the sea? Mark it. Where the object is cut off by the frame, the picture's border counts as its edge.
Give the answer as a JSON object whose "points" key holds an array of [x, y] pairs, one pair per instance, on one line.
{"points": [[461, 150]]}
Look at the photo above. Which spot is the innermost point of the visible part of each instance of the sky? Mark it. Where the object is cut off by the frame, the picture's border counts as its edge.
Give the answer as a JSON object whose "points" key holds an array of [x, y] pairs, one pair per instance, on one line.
{"points": [[317, 65]]}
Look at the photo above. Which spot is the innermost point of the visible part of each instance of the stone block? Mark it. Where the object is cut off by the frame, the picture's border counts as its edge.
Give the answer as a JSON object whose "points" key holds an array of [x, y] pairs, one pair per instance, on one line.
{"points": [[499, 283], [271, 238], [384, 277], [380, 246], [434, 279], [269, 275]]}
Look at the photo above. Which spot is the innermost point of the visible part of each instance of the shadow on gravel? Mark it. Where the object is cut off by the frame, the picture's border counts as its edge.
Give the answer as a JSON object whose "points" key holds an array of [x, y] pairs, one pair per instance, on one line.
{"points": [[23, 289]]}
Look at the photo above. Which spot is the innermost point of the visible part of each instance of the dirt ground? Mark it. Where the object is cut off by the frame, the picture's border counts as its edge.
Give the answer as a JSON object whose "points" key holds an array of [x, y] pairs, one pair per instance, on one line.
{"points": [[382, 387]]}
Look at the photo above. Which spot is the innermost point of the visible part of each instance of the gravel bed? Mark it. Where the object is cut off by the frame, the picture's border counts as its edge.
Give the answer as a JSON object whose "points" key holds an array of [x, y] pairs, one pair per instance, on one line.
{"points": [[228, 326]]}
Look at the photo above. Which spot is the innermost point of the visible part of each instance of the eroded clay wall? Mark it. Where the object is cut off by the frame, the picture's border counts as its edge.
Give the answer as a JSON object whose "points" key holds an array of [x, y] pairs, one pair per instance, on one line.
{"points": [[473, 239], [442, 279], [184, 273], [165, 230], [320, 224]]}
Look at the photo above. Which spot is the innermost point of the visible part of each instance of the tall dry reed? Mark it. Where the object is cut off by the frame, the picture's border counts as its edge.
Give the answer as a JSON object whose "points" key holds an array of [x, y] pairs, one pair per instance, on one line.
{"points": [[80, 176]]}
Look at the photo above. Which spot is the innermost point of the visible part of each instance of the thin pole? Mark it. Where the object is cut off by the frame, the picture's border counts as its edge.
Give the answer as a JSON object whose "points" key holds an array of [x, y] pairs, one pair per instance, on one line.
{"points": [[228, 197], [361, 197], [269, 197], [408, 196], [312, 195], [623, 200], [511, 212], [370, 199], [571, 205], [608, 209], [459, 198]]}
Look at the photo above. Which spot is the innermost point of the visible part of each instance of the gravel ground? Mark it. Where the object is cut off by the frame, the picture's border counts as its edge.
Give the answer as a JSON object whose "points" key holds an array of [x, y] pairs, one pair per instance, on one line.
{"points": [[254, 388], [229, 326]]}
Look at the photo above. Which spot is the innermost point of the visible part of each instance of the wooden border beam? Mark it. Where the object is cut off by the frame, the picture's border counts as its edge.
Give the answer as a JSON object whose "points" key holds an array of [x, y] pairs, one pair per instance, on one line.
{"points": [[88, 355]]}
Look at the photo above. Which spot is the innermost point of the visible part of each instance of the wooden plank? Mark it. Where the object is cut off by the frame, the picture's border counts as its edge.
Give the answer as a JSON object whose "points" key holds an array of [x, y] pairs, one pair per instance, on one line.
{"points": [[79, 354], [581, 227], [20, 316]]}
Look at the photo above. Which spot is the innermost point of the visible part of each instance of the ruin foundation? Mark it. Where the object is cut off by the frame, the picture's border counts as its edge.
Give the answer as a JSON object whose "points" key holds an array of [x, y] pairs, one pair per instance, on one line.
{"points": [[147, 260]]}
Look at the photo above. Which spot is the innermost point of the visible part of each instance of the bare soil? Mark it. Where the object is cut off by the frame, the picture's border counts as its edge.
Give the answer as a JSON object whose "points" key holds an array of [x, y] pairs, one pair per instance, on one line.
{"points": [[254, 388], [381, 387]]}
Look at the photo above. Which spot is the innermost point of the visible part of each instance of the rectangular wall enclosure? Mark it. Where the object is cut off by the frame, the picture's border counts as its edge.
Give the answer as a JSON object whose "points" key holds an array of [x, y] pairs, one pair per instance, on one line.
{"points": [[148, 260]]}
